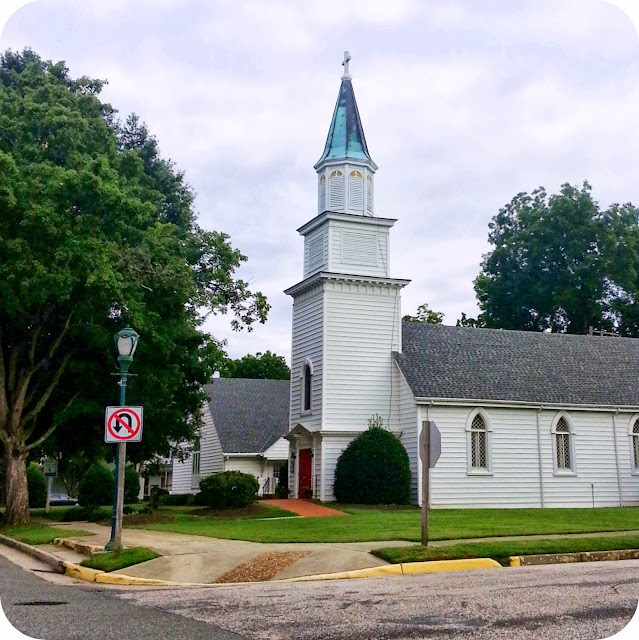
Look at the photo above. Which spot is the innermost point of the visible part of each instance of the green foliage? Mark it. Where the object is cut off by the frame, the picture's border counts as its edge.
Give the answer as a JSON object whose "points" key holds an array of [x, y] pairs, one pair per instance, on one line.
{"points": [[228, 490], [424, 314], [178, 500], [37, 484], [465, 321], [561, 263], [131, 485], [373, 469], [96, 486], [158, 496], [114, 560], [262, 365], [99, 231]]}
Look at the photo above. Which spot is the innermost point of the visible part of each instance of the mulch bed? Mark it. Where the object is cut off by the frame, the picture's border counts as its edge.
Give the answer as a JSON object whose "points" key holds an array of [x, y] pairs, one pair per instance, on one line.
{"points": [[263, 567]]}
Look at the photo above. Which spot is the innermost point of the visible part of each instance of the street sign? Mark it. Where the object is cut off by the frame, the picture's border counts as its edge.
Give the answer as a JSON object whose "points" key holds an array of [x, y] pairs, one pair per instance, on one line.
{"points": [[50, 468], [123, 424], [435, 444]]}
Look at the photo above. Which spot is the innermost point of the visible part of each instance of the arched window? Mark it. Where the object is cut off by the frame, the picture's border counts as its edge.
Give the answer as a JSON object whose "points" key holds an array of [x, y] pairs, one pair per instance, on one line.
{"points": [[336, 190], [562, 445], [634, 441], [478, 432], [307, 387], [321, 196], [356, 191], [369, 194]]}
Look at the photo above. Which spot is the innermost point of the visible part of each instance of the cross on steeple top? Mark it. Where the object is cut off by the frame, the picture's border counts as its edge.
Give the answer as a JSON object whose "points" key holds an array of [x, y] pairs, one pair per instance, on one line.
{"points": [[347, 58]]}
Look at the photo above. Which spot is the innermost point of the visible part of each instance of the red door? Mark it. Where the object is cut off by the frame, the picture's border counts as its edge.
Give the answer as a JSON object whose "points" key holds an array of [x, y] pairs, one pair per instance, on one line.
{"points": [[305, 490]]}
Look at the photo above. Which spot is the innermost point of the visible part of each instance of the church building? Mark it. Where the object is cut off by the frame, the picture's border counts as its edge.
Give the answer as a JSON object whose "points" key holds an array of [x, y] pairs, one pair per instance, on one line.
{"points": [[526, 419]]}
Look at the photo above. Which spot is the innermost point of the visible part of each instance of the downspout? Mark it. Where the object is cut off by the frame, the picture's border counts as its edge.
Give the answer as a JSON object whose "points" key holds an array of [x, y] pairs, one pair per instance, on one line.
{"points": [[541, 471], [614, 440]]}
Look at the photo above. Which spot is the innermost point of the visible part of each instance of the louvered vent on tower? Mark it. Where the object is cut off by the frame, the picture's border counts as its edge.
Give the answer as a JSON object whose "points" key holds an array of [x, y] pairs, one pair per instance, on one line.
{"points": [[336, 190], [356, 191], [321, 194], [369, 194]]}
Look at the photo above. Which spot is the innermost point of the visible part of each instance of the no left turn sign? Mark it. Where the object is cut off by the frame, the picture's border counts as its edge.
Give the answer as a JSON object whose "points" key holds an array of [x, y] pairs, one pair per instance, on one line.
{"points": [[123, 424]]}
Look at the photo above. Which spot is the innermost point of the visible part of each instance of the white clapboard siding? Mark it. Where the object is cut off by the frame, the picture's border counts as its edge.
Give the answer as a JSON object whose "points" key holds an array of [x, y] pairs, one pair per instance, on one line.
{"points": [[515, 469], [211, 456], [181, 476], [315, 252], [256, 466], [362, 331], [409, 425], [277, 451], [629, 480], [355, 248], [307, 336]]}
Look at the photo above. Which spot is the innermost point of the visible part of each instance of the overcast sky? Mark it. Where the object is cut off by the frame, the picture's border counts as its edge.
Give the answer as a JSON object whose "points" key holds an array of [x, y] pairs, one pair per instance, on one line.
{"points": [[464, 104]]}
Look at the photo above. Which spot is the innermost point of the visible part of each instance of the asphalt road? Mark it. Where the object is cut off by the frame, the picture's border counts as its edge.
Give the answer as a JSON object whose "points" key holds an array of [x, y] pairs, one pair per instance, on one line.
{"points": [[571, 601], [59, 612]]}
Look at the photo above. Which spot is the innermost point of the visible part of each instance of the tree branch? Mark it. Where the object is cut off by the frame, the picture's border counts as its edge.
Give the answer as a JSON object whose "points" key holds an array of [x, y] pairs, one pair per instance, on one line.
{"points": [[51, 429]]}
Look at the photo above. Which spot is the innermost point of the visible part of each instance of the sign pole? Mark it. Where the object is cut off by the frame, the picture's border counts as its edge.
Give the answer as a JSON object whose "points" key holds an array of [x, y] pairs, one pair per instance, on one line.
{"points": [[49, 481], [425, 455]]}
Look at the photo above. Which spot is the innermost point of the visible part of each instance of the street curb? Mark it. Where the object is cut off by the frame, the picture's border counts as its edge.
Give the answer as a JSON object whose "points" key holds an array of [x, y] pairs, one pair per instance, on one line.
{"points": [[44, 556], [579, 556], [81, 573], [80, 547]]}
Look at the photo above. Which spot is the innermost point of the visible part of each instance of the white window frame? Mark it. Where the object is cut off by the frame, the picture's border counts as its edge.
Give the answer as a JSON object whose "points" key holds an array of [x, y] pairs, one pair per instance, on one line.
{"points": [[479, 471], [559, 471], [633, 437], [306, 412]]}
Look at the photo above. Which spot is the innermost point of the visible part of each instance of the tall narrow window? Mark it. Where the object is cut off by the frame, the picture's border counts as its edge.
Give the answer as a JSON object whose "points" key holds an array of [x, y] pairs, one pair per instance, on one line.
{"points": [[562, 444], [634, 434], [356, 191], [478, 444], [321, 196], [307, 387], [336, 190]]}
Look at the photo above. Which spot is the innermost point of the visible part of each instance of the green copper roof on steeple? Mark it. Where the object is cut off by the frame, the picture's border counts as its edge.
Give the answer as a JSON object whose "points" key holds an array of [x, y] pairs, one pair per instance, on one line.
{"points": [[346, 139]]}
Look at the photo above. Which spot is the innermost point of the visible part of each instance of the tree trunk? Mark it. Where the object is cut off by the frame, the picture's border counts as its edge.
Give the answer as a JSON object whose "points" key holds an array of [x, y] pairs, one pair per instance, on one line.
{"points": [[16, 490]]}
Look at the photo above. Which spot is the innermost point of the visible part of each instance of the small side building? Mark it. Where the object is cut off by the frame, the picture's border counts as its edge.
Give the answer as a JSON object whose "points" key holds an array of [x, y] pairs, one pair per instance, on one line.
{"points": [[243, 424]]}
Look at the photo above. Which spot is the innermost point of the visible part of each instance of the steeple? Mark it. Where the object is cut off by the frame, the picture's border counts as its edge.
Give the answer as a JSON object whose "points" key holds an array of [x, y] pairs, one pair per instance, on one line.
{"points": [[346, 154]]}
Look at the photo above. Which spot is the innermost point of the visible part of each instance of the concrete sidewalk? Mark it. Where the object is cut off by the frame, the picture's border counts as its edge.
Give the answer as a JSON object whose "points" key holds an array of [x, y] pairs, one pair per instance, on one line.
{"points": [[190, 558]]}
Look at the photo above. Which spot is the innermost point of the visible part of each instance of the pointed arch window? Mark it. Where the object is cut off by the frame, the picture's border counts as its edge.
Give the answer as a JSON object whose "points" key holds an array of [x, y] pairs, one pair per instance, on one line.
{"points": [[336, 190], [321, 195], [356, 191], [479, 443], [563, 446], [634, 444]]}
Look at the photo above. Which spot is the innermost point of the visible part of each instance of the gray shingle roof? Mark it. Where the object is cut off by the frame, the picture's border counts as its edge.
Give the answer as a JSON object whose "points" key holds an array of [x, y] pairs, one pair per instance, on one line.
{"points": [[249, 415], [492, 364]]}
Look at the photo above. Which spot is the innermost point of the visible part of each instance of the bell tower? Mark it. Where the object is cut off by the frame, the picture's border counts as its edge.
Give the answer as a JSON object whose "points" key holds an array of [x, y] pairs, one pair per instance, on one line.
{"points": [[346, 310]]}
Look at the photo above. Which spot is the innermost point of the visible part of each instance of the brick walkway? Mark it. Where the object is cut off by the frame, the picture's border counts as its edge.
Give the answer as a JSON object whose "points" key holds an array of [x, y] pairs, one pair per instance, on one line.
{"points": [[304, 508]]}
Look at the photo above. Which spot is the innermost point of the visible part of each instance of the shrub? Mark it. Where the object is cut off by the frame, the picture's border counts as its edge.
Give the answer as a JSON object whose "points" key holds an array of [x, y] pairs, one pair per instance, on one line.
{"points": [[178, 500], [158, 496], [37, 487], [228, 490], [131, 485], [373, 469], [96, 486]]}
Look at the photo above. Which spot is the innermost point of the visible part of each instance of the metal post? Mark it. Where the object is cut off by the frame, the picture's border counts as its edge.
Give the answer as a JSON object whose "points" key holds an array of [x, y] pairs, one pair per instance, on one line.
{"points": [[115, 543], [425, 455], [48, 504]]}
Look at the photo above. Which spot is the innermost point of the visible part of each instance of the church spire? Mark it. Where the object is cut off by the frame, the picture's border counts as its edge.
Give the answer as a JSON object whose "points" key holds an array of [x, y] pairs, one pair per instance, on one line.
{"points": [[346, 154]]}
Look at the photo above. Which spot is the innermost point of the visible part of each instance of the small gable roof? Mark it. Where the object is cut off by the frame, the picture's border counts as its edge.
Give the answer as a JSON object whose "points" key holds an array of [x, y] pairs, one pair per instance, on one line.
{"points": [[249, 415], [525, 366]]}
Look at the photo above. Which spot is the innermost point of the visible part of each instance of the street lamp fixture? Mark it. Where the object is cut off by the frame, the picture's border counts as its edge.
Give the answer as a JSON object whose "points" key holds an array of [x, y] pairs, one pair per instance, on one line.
{"points": [[126, 342]]}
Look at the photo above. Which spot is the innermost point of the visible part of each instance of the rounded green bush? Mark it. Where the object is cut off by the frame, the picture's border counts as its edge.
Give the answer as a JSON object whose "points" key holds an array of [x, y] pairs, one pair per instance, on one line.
{"points": [[96, 487], [131, 485], [37, 487], [373, 469], [228, 490]]}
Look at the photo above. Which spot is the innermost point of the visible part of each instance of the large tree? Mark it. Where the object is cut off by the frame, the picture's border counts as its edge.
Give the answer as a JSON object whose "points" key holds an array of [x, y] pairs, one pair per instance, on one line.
{"points": [[425, 314], [558, 262], [97, 231], [261, 365]]}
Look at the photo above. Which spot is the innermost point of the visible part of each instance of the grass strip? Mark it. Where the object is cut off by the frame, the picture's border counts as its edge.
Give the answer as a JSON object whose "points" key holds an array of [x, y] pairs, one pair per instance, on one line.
{"points": [[112, 560], [37, 533], [378, 524], [501, 551]]}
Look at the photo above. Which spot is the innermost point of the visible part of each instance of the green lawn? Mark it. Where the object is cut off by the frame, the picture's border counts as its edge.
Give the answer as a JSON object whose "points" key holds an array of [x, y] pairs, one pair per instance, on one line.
{"points": [[113, 561], [373, 524], [501, 551], [38, 533]]}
